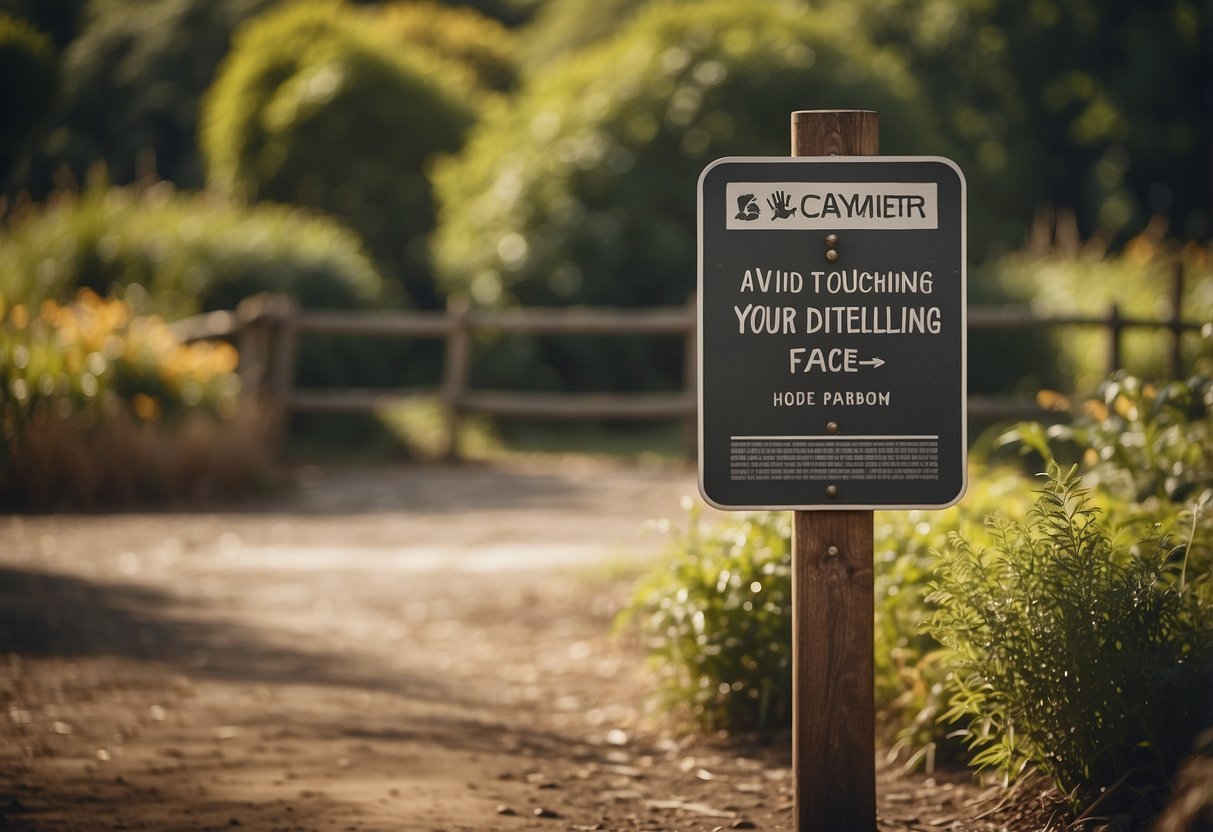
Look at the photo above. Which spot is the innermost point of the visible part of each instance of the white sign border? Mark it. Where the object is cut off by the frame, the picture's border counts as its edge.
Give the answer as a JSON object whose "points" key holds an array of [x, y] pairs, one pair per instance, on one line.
{"points": [[964, 331]]}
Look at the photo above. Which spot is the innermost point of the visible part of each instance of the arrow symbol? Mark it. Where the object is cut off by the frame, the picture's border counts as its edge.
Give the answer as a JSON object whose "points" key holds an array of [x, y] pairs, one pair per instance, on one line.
{"points": [[872, 362]]}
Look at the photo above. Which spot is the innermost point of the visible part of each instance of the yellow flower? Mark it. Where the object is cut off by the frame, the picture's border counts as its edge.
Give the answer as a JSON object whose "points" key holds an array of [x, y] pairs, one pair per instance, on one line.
{"points": [[146, 407], [1095, 409], [1052, 400]]}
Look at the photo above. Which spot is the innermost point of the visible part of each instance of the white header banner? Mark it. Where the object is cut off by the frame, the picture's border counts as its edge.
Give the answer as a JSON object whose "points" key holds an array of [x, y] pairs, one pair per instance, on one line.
{"points": [[830, 206]]}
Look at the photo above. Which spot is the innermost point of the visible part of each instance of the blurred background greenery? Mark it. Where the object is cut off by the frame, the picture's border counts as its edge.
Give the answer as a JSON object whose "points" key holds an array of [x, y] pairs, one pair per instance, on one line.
{"points": [[179, 155], [161, 158]]}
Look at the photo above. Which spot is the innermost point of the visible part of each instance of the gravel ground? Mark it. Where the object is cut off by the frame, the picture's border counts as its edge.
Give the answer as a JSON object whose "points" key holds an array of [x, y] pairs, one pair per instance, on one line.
{"points": [[403, 648]]}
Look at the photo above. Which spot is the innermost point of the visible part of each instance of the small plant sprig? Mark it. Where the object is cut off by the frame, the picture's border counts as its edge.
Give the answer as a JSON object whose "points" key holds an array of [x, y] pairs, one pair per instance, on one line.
{"points": [[1069, 653], [717, 623]]}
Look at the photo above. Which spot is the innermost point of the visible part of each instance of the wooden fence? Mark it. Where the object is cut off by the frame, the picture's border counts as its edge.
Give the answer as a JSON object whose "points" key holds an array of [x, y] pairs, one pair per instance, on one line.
{"points": [[266, 330]]}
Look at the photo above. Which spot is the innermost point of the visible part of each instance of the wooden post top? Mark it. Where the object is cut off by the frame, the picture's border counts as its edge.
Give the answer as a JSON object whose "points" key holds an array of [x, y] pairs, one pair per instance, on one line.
{"points": [[835, 133]]}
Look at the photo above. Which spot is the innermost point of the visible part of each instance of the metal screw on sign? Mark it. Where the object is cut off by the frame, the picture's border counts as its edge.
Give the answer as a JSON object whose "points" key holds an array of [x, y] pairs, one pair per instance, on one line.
{"points": [[832, 248]]}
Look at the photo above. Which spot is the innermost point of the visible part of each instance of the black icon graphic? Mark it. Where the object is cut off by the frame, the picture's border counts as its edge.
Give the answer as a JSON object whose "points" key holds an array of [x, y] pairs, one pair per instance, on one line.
{"points": [[781, 204], [747, 207]]}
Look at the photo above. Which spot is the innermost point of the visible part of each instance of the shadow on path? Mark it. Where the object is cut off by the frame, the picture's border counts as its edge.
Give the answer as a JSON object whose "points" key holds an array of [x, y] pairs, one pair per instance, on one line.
{"points": [[45, 615]]}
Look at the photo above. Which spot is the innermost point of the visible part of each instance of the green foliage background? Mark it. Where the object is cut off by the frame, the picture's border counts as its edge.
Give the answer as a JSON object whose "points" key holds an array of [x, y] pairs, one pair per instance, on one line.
{"points": [[134, 76], [178, 254], [545, 152], [31, 75], [576, 191], [312, 108]]}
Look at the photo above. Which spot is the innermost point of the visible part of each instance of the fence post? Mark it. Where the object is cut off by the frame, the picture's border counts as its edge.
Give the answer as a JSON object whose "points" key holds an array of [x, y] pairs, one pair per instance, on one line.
{"points": [[1177, 320], [455, 369], [284, 314], [1115, 328], [253, 344]]}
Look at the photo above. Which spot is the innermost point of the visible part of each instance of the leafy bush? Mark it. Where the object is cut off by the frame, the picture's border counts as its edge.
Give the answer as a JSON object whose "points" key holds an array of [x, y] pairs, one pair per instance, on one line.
{"points": [[579, 190], [462, 42], [133, 80], [1050, 98], [717, 623], [1141, 441], [1072, 652], [561, 27], [178, 254], [716, 618], [1148, 449], [100, 406], [31, 77], [909, 674], [314, 108], [60, 19]]}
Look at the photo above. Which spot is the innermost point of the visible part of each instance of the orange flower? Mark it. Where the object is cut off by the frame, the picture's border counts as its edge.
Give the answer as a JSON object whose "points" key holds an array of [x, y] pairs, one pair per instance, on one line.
{"points": [[146, 407]]}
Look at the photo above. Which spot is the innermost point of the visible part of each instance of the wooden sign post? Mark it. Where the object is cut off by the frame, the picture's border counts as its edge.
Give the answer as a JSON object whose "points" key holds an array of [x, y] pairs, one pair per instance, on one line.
{"points": [[834, 718], [831, 320]]}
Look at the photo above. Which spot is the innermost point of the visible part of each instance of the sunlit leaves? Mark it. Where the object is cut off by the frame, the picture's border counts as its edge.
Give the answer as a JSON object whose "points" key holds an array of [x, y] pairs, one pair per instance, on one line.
{"points": [[1071, 651]]}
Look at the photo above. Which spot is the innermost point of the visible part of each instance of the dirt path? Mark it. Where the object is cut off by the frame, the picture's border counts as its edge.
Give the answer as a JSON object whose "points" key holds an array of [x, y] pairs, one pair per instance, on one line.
{"points": [[390, 649]]}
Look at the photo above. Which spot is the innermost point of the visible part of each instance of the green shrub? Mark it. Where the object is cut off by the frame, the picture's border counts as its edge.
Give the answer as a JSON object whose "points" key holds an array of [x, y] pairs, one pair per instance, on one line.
{"points": [[716, 620], [313, 107], [462, 42], [909, 674], [1148, 449], [61, 19], [1140, 441], [721, 646], [99, 406], [30, 71], [581, 189], [562, 27], [1073, 651], [178, 254], [133, 80], [1048, 100]]}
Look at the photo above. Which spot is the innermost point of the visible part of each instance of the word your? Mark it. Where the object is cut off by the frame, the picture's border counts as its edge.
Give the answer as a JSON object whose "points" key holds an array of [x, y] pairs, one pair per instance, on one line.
{"points": [[760, 319]]}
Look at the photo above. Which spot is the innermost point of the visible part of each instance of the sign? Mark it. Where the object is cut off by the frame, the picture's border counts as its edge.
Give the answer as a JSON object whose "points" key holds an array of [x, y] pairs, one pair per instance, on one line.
{"points": [[832, 333]]}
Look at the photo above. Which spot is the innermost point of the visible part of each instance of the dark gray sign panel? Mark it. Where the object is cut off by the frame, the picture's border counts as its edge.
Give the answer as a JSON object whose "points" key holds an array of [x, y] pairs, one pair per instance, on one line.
{"points": [[832, 332]]}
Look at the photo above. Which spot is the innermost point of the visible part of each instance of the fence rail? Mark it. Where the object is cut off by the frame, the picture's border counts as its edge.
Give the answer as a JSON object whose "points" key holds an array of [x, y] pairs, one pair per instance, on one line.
{"points": [[266, 330]]}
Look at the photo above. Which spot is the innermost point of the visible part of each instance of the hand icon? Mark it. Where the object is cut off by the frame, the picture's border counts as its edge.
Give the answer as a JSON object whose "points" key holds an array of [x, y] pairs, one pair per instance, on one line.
{"points": [[781, 204]]}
